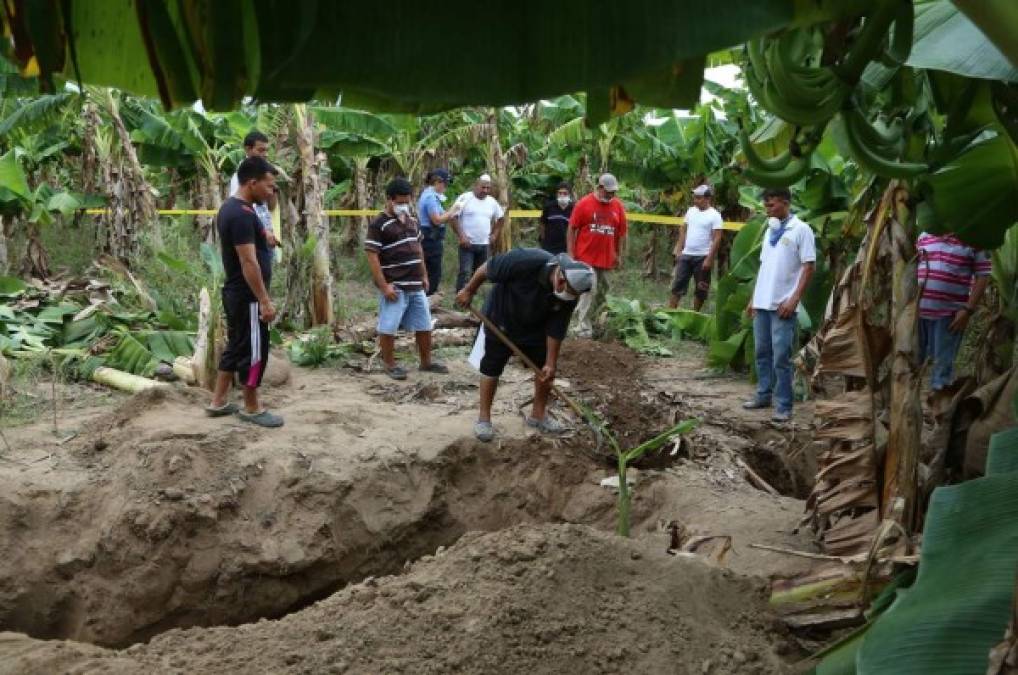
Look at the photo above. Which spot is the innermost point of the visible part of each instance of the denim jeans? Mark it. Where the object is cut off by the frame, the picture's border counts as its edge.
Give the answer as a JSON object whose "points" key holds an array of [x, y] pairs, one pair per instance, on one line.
{"points": [[937, 342], [774, 338], [432, 261], [471, 258]]}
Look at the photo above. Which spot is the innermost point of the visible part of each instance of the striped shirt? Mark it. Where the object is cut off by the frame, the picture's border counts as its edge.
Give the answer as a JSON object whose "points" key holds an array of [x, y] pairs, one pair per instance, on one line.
{"points": [[399, 251], [946, 269]]}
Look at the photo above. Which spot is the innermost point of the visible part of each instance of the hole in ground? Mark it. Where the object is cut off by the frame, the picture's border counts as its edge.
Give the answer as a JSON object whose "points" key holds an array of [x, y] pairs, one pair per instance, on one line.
{"points": [[183, 563]]}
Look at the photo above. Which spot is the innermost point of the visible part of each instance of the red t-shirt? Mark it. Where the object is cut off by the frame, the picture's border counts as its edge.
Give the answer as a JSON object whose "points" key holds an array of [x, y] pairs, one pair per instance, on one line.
{"points": [[600, 228]]}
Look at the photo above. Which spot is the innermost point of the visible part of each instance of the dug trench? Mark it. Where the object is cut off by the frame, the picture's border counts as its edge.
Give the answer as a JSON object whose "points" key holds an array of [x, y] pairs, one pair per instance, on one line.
{"points": [[154, 517]]}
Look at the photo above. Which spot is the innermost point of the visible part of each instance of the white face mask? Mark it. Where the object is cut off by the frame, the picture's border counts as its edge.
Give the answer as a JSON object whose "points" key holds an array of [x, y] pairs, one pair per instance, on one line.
{"points": [[442, 196], [401, 210], [773, 223], [565, 296], [563, 202]]}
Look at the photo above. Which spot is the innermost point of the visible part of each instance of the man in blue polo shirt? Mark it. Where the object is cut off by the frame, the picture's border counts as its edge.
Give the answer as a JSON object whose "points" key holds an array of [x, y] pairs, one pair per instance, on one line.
{"points": [[433, 218]]}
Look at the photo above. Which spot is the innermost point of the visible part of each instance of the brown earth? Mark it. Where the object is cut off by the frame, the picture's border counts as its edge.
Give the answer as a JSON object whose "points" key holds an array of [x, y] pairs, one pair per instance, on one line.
{"points": [[155, 517], [530, 599]]}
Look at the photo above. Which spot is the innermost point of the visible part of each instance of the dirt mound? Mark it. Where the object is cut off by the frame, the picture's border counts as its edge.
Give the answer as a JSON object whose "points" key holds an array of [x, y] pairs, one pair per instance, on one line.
{"points": [[545, 599]]}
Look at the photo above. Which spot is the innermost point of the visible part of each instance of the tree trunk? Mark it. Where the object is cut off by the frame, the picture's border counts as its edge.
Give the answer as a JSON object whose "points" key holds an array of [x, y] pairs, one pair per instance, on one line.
{"points": [[131, 202], [500, 179], [210, 198], [901, 465], [650, 254], [357, 225], [317, 223], [4, 234]]}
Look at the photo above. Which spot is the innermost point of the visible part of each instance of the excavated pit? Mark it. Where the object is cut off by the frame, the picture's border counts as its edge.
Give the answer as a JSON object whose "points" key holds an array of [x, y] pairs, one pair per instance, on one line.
{"points": [[155, 518]]}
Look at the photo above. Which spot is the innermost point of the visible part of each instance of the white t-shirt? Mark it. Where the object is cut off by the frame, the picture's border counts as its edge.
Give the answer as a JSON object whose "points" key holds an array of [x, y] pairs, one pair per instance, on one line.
{"points": [[477, 215], [700, 225], [781, 264]]}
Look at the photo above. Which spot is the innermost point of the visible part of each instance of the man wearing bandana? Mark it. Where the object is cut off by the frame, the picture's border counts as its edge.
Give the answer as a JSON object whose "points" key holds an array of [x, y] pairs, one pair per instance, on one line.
{"points": [[787, 260]]}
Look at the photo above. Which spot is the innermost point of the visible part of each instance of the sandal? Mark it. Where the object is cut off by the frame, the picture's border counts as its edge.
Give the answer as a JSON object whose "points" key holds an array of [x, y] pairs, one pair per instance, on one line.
{"points": [[435, 367], [546, 425], [262, 419], [396, 372], [221, 411], [484, 431]]}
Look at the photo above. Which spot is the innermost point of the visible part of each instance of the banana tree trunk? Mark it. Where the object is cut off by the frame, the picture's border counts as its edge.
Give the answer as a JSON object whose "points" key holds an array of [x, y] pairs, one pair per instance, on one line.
{"points": [[500, 179], [210, 198], [314, 214], [901, 465], [358, 225], [4, 256]]}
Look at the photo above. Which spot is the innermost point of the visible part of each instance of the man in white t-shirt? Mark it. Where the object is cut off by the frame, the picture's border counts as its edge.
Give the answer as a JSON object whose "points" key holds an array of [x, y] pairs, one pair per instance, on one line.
{"points": [[787, 260], [478, 225], [696, 248], [256, 144]]}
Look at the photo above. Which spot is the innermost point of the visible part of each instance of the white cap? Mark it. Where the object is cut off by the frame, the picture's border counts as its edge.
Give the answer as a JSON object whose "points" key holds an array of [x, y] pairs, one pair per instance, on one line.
{"points": [[703, 190], [608, 182], [485, 178]]}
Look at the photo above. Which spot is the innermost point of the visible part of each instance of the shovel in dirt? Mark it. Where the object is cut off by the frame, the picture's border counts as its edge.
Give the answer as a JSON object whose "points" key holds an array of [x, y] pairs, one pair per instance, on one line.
{"points": [[562, 396]]}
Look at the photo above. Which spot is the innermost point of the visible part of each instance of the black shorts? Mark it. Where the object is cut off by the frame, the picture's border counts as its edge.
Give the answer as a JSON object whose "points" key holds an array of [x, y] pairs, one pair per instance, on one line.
{"points": [[247, 340], [691, 267], [496, 354]]}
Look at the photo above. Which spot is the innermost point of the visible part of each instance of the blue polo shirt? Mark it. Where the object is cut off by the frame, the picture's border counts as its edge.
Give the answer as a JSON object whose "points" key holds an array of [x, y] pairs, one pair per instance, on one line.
{"points": [[429, 205]]}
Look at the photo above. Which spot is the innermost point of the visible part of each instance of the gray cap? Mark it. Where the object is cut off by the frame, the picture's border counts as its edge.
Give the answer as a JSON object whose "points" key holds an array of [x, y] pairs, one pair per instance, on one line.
{"points": [[608, 182], [579, 276]]}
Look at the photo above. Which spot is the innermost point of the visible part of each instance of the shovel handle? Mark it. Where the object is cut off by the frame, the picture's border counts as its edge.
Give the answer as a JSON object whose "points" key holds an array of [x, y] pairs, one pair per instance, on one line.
{"points": [[497, 332]]}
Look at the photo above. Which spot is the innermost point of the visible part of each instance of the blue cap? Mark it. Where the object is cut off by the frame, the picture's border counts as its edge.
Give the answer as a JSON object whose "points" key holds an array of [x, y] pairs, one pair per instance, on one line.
{"points": [[441, 174]]}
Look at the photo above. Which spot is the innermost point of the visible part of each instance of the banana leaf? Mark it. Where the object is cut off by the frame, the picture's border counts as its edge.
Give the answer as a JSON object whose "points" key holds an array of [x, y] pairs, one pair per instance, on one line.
{"points": [[960, 604], [12, 287], [939, 23], [686, 322], [729, 352], [167, 345], [132, 357]]}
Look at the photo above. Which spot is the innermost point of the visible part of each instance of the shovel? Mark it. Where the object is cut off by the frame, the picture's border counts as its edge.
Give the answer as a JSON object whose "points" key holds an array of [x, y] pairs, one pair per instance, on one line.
{"points": [[562, 396]]}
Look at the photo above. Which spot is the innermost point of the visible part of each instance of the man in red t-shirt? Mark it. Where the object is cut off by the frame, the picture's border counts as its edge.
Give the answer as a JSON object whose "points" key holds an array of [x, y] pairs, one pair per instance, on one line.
{"points": [[597, 236]]}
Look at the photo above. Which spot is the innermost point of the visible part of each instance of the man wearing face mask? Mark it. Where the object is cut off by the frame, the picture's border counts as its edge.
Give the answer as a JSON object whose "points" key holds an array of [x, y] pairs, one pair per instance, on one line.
{"points": [[554, 222], [397, 267], [531, 302], [597, 236], [787, 260], [433, 220]]}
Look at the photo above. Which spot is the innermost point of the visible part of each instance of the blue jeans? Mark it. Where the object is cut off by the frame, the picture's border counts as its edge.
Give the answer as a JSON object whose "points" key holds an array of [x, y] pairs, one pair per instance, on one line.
{"points": [[470, 259], [936, 341], [432, 258], [774, 338]]}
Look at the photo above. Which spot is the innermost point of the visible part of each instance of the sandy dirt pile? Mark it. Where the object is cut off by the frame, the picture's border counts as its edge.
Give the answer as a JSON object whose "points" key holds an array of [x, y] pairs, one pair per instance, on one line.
{"points": [[540, 599]]}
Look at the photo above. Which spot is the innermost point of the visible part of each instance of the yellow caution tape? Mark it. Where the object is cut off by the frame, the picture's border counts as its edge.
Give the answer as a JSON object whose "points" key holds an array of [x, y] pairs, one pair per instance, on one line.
{"points": [[652, 218]]}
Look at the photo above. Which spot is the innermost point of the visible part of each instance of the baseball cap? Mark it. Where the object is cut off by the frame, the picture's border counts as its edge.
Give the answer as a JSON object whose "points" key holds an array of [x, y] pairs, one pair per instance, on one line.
{"points": [[485, 178], [608, 182], [579, 276], [703, 190], [442, 175]]}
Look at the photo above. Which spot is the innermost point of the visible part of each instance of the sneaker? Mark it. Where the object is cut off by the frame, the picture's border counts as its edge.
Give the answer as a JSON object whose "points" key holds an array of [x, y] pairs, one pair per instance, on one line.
{"points": [[546, 425], [781, 416], [435, 367], [756, 404], [484, 431], [396, 372]]}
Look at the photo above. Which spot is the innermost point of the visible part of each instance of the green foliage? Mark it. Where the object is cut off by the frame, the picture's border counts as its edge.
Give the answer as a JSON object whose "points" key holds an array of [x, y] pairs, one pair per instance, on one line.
{"points": [[317, 348]]}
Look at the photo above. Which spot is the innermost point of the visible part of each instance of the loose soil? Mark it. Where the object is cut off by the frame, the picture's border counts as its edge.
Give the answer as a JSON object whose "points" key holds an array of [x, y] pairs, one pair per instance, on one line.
{"points": [[154, 517]]}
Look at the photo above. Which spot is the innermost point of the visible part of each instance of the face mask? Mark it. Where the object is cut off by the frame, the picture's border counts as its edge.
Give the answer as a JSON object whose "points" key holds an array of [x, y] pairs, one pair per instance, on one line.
{"points": [[565, 296], [563, 202], [773, 223], [442, 196], [401, 210]]}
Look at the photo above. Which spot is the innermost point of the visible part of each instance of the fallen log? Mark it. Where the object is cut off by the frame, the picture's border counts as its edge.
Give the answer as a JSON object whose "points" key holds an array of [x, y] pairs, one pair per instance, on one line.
{"points": [[129, 382]]}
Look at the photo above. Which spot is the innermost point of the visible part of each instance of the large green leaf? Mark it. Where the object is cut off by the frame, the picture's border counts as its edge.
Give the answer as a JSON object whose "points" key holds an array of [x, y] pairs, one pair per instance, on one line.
{"points": [[973, 194], [12, 287], [283, 50], [960, 603], [12, 178], [166, 345], [945, 39]]}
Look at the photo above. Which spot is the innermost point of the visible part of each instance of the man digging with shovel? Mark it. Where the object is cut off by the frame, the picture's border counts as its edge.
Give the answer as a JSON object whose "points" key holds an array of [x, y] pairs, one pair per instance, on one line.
{"points": [[529, 308]]}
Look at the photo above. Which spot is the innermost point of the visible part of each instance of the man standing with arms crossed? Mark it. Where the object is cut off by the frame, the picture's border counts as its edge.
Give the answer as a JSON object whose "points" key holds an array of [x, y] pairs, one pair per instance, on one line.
{"points": [[787, 260], [597, 237], [478, 226], [696, 249], [433, 219], [246, 301]]}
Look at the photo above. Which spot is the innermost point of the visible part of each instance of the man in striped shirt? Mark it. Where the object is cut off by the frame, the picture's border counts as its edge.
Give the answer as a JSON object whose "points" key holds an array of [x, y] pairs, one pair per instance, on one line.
{"points": [[393, 246], [952, 278]]}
